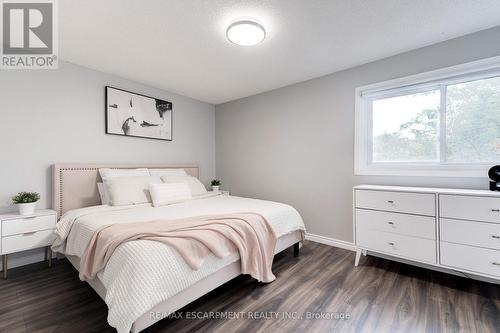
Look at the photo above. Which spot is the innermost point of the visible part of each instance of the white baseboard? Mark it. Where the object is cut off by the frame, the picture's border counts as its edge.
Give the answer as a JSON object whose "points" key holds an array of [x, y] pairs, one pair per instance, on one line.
{"points": [[331, 241]]}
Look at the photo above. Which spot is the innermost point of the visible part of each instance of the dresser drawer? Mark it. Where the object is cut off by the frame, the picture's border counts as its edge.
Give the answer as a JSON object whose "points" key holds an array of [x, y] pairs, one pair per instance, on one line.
{"points": [[470, 208], [471, 258], [419, 249], [27, 241], [402, 202], [28, 224], [471, 233], [403, 224]]}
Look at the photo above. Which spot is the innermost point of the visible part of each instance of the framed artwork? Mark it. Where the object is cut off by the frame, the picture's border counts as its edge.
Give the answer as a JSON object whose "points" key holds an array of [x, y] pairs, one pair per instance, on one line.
{"points": [[136, 115]]}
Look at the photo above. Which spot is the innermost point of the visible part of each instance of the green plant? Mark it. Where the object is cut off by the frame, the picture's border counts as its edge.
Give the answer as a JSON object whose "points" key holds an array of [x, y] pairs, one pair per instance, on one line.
{"points": [[26, 197], [215, 182]]}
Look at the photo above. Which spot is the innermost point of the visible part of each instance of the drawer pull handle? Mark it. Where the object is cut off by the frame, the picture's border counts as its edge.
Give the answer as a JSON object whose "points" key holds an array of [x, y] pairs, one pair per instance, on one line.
{"points": [[390, 201], [391, 244], [29, 233], [391, 223], [495, 236], [496, 263], [495, 210]]}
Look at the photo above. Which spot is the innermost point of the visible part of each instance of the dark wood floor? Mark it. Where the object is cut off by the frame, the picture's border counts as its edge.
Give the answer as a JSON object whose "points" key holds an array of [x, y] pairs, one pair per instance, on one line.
{"points": [[379, 295]]}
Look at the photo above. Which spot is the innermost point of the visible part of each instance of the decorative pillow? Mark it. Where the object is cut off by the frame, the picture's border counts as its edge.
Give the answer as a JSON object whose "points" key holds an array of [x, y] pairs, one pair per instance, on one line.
{"points": [[167, 172], [112, 173], [103, 193], [129, 190], [169, 193], [194, 184]]}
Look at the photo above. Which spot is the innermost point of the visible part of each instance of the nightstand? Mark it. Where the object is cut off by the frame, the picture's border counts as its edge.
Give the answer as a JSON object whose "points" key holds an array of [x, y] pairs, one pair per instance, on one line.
{"points": [[221, 192], [25, 232]]}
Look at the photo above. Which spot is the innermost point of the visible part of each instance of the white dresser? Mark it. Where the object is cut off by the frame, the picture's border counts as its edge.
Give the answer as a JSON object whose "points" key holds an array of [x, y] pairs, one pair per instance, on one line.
{"points": [[451, 229]]}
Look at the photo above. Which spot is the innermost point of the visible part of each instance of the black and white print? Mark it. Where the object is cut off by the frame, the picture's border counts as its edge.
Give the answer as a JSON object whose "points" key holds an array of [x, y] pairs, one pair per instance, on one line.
{"points": [[136, 115]]}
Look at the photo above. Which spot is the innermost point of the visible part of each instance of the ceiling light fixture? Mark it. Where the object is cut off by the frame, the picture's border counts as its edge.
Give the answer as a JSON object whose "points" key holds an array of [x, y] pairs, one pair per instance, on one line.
{"points": [[245, 32]]}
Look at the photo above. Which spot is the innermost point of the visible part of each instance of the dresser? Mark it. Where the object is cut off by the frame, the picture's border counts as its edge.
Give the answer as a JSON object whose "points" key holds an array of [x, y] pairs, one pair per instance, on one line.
{"points": [[450, 229], [19, 233]]}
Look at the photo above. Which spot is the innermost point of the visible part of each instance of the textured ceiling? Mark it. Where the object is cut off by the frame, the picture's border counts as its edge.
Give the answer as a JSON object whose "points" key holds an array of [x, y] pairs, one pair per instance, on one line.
{"points": [[180, 45]]}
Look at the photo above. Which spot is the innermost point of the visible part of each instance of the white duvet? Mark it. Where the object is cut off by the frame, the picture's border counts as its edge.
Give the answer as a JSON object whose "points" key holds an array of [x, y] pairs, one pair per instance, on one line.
{"points": [[141, 274]]}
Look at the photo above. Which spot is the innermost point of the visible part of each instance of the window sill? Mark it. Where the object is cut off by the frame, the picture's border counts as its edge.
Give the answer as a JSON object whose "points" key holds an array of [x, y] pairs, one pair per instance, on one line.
{"points": [[457, 171]]}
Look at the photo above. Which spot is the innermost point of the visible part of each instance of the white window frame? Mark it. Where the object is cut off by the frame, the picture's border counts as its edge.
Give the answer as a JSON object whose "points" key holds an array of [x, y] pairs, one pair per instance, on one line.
{"points": [[436, 79]]}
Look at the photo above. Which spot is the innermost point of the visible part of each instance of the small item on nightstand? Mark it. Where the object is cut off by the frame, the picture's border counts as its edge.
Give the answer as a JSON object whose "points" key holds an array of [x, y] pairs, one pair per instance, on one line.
{"points": [[494, 175], [26, 202], [215, 185]]}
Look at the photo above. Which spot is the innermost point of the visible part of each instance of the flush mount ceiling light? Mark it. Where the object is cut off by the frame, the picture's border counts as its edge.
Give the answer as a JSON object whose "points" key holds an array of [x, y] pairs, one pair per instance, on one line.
{"points": [[246, 32]]}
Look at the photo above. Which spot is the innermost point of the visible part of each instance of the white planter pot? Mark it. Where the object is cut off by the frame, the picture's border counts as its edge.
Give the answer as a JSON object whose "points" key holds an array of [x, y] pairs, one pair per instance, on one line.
{"points": [[26, 208], [215, 188]]}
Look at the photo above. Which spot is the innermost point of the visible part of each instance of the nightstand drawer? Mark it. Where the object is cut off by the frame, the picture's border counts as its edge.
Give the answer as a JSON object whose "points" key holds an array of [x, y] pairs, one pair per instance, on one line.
{"points": [[26, 241], [28, 224]]}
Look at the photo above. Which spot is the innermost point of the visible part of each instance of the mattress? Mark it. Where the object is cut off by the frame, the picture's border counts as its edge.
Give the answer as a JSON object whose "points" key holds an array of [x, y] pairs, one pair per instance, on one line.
{"points": [[141, 274]]}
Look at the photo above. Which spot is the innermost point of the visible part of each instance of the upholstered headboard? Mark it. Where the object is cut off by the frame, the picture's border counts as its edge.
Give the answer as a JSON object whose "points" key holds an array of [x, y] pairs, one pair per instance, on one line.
{"points": [[75, 185]]}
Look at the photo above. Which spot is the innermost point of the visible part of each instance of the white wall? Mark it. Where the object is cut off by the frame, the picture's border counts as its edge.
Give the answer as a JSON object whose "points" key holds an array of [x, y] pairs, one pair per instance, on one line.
{"points": [[57, 116], [296, 144]]}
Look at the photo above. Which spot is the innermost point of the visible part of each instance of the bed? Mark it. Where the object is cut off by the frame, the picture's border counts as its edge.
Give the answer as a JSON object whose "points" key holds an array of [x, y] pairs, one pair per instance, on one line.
{"points": [[144, 281]]}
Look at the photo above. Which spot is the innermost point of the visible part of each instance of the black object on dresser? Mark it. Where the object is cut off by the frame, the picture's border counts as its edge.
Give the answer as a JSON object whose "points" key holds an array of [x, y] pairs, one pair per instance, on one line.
{"points": [[494, 175]]}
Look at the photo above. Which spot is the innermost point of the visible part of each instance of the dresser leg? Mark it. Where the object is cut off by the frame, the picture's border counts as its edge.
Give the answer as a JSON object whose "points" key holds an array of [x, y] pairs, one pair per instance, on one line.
{"points": [[4, 259], [358, 256]]}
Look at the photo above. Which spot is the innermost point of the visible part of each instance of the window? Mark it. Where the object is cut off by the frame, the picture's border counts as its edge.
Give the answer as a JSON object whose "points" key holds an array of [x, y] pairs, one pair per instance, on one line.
{"points": [[406, 128], [443, 123]]}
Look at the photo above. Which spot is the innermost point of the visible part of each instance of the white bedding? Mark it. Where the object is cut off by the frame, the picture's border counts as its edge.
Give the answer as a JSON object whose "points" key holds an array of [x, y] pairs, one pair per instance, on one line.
{"points": [[141, 274]]}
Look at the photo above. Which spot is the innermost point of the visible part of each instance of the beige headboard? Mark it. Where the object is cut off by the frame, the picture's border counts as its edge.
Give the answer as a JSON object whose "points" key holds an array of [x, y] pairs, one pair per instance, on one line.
{"points": [[75, 185]]}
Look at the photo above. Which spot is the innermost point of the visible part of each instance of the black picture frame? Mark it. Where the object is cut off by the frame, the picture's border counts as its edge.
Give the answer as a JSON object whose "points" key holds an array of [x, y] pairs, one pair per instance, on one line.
{"points": [[169, 111]]}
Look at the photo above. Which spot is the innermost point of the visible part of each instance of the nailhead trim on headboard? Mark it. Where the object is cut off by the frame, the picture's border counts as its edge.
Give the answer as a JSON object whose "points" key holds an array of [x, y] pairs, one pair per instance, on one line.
{"points": [[61, 176], [60, 192]]}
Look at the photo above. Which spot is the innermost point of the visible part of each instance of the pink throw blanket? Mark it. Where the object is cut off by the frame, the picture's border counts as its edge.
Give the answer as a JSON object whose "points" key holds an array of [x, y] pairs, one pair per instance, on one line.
{"points": [[194, 238]]}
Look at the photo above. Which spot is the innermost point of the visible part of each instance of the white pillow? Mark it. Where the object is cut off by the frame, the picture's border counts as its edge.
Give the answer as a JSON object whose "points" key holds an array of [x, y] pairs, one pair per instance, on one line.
{"points": [[169, 193], [196, 187], [129, 190], [103, 193], [167, 172], [112, 173]]}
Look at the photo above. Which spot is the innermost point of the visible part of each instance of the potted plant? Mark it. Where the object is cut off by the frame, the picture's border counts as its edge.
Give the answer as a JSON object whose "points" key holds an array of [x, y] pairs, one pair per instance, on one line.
{"points": [[215, 185], [26, 202]]}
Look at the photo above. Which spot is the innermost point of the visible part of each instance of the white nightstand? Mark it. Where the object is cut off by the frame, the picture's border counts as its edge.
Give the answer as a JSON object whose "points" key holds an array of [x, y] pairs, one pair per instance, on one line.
{"points": [[221, 192], [24, 232]]}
